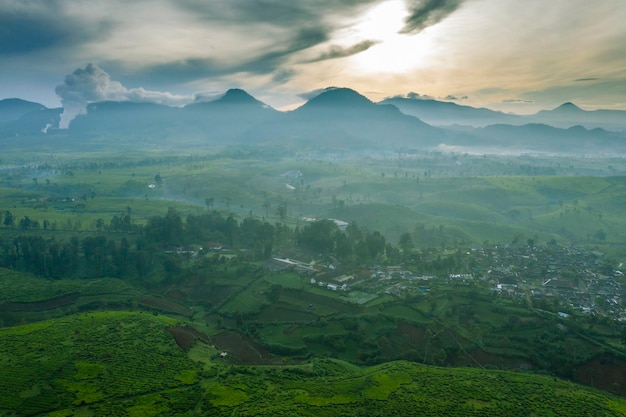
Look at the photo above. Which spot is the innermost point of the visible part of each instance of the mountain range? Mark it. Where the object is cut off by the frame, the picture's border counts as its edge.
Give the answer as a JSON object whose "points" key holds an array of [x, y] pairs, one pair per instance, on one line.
{"points": [[443, 113], [336, 119]]}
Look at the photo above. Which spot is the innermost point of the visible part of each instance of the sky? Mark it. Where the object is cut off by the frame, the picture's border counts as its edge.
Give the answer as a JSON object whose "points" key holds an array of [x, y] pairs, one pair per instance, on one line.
{"points": [[512, 55]]}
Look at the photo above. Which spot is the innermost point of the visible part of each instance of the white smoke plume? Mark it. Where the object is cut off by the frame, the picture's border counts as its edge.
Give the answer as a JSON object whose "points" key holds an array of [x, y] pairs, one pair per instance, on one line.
{"points": [[93, 84]]}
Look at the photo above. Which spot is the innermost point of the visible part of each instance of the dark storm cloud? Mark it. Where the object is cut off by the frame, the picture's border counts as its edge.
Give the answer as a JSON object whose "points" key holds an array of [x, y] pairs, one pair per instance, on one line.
{"points": [[281, 13], [27, 27], [304, 39], [184, 70], [340, 52], [424, 13], [296, 26], [267, 62]]}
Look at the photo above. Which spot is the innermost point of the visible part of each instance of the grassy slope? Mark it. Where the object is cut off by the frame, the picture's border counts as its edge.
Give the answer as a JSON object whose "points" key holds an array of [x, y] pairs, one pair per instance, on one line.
{"points": [[90, 359], [571, 209], [127, 364]]}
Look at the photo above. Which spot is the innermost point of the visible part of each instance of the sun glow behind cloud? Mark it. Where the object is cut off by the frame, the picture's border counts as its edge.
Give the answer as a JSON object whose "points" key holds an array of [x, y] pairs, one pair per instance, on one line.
{"points": [[395, 53]]}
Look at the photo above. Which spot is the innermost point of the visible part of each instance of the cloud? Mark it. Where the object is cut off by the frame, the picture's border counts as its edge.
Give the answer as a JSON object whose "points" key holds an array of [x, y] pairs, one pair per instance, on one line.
{"points": [[308, 95], [586, 79], [340, 52], [416, 96], [92, 84], [34, 26], [281, 76], [451, 97], [265, 61], [293, 14], [205, 96], [517, 101], [424, 13], [283, 28]]}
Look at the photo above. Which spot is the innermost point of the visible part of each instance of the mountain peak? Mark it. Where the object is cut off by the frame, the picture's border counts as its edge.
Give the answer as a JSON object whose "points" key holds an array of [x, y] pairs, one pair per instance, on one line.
{"points": [[568, 106], [237, 96], [339, 97]]}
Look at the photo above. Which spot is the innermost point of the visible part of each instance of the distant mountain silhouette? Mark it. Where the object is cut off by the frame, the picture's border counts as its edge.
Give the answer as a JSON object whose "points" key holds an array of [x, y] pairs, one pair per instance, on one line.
{"points": [[223, 120], [536, 137], [124, 116], [232, 97], [21, 117], [12, 109], [442, 113], [569, 108], [228, 118], [343, 117], [338, 119], [568, 115], [334, 98]]}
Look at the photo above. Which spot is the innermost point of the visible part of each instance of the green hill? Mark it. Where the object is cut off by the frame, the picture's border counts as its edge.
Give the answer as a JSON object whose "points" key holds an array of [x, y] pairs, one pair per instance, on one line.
{"points": [[129, 364]]}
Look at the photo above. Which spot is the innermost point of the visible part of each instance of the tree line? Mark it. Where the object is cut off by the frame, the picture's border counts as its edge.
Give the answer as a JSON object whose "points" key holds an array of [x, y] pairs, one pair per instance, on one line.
{"points": [[160, 250]]}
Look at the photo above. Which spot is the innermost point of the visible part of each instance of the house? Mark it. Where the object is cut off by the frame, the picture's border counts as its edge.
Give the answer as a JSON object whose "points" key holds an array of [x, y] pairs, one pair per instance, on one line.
{"points": [[214, 246]]}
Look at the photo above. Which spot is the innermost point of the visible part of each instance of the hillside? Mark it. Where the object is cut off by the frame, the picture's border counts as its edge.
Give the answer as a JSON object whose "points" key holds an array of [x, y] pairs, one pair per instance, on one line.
{"points": [[129, 364]]}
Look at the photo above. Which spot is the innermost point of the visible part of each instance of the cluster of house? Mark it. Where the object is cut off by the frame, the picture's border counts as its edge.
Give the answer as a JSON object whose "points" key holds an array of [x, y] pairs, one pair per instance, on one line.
{"points": [[574, 276]]}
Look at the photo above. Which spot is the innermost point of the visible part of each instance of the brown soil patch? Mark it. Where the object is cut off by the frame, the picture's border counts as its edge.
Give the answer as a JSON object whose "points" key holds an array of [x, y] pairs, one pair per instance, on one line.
{"points": [[415, 335], [242, 349], [49, 304], [605, 372], [176, 295], [185, 336], [165, 305]]}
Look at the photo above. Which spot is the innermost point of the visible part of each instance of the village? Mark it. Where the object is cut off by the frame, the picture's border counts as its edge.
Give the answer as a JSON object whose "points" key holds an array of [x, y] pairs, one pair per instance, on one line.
{"points": [[551, 277]]}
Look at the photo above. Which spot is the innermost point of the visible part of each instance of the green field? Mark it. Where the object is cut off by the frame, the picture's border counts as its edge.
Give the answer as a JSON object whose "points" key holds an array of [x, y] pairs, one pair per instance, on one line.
{"points": [[373, 192]]}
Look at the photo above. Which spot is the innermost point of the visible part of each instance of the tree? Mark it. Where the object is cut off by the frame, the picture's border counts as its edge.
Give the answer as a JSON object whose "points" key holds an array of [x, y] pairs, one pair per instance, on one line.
{"points": [[282, 211], [406, 242], [166, 230], [273, 295], [25, 223], [319, 235], [375, 244], [267, 205], [9, 219]]}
